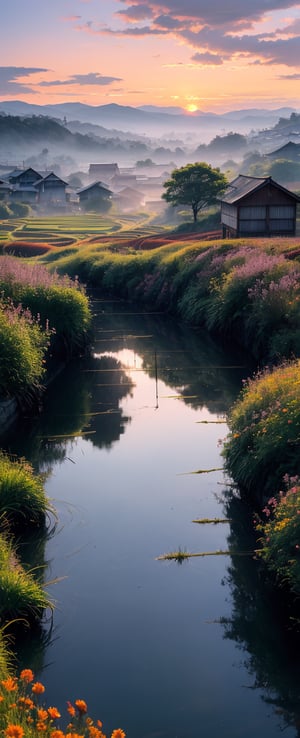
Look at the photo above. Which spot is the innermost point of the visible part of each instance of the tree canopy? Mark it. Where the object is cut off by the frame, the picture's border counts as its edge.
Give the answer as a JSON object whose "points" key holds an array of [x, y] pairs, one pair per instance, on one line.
{"points": [[196, 185]]}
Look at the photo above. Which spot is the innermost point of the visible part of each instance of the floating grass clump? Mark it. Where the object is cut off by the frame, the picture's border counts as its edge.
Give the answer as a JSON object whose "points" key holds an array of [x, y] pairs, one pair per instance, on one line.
{"points": [[23, 502], [263, 444], [24, 713]]}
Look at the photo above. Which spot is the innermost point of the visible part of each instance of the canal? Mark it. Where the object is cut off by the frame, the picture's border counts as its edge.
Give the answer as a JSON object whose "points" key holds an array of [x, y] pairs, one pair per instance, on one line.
{"points": [[130, 443]]}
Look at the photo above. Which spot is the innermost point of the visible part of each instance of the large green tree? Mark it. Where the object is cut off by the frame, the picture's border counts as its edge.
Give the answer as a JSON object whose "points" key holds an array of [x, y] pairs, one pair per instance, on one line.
{"points": [[196, 185]]}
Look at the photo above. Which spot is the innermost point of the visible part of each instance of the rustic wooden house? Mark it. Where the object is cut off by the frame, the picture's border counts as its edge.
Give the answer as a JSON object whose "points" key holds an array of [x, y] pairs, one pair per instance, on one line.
{"points": [[51, 191], [94, 196], [258, 206], [104, 172]]}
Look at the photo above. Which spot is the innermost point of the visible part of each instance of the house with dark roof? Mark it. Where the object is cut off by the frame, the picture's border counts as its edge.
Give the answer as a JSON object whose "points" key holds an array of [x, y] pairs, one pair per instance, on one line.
{"points": [[94, 195], [104, 172], [51, 191], [258, 206], [44, 189]]}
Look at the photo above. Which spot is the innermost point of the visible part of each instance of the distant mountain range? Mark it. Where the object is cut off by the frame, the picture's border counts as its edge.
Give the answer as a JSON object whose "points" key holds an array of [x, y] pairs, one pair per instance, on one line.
{"points": [[150, 119]]}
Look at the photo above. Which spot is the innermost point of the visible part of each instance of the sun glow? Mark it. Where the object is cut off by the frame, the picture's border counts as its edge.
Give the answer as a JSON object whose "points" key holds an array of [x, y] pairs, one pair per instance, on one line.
{"points": [[191, 108]]}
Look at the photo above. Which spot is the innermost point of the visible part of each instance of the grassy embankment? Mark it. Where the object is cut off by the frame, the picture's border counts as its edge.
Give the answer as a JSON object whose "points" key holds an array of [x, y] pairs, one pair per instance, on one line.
{"points": [[246, 292], [41, 316]]}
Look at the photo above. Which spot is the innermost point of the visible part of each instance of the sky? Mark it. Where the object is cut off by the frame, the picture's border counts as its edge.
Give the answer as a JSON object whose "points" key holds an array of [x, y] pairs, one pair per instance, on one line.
{"points": [[206, 55]]}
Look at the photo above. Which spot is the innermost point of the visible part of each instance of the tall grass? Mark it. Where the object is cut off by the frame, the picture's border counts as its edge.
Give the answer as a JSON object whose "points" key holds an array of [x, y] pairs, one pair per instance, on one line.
{"points": [[23, 502], [243, 291], [23, 346], [264, 440]]}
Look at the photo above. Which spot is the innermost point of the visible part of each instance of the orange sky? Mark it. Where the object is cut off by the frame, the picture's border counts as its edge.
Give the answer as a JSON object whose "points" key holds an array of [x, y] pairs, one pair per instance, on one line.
{"points": [[208, 55]]}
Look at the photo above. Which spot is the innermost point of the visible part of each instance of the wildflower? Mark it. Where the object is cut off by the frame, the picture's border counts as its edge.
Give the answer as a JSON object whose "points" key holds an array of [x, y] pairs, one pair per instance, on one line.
{"points": [[81, 706], [38, 688], [71, 709], [14, 731], [74, 735], [26, 675], [42, 714], [41, 726], [10, 684], [95, 732], [57, 734], [53, 713], [118, 733]]}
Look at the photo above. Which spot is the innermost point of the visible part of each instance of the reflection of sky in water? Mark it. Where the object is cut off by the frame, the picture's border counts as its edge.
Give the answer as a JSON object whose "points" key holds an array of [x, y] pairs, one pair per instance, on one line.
{"points": [[141, 639]]}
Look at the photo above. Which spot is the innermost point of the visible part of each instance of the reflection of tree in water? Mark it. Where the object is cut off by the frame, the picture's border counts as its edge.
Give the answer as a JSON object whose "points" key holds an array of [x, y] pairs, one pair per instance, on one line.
{"points": [[84, 399], [260, 625], [188, 360]]}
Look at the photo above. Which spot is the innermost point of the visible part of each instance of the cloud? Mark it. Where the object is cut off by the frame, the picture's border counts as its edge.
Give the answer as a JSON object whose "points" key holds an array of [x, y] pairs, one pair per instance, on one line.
{"points": [[217, 31], [9, 79], [206, 58], [93, 78], [216, 13], [289, 76], [135, 13]]}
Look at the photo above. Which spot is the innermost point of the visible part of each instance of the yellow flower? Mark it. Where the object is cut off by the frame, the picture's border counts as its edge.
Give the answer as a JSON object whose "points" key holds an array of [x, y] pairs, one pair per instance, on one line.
{"points": [[118, 733]]}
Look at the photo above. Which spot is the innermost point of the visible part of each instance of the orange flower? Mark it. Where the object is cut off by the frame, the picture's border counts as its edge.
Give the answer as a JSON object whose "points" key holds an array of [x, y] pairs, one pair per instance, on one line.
{"points": [[1, 698], [41, 726], [14, 731], [26, 675], [71, 709], [118, 733], [95, 732], [42, 714], [57, 734], [38, 688], [81, 706], [74, 735], [10, 684], [53, 713]]}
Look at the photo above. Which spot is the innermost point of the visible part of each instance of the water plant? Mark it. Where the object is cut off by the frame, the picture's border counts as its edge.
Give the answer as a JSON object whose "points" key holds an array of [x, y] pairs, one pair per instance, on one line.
{"points": [[24, 713]]}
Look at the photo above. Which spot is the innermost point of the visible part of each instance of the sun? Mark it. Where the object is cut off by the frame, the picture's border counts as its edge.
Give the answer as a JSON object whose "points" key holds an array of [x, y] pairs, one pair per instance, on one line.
{"points": [[191, 108]]}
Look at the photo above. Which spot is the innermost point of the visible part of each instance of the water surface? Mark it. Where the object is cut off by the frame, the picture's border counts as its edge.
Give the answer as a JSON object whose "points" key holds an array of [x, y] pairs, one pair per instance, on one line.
{"points": [[158, 648]]}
